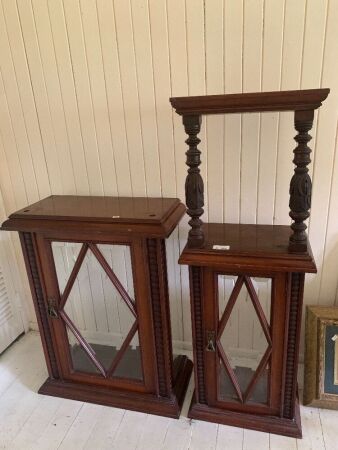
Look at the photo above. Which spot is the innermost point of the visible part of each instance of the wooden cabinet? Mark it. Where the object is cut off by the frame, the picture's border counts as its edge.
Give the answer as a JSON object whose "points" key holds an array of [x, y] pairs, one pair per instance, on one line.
{"points": [[97, 270], [246, 281], [246, 305]]}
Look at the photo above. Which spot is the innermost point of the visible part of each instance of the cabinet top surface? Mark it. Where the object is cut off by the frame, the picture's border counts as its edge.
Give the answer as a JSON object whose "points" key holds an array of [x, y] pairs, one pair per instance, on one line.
{"points": [[141, 211], [73, 207], [259, 246]]}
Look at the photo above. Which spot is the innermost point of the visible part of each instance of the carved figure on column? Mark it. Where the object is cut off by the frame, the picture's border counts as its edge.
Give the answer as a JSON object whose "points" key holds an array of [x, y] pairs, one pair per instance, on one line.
{"points": [[194, 187], [301, 186]]}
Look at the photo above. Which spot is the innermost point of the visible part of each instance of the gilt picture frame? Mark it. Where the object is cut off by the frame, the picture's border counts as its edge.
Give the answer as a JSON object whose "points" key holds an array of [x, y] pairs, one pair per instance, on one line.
{"points": [[321, 357]]}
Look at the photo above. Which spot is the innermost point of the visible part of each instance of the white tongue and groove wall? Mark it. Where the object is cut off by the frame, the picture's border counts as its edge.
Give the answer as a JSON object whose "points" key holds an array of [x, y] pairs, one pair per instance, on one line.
{"points": [[84, 88]]}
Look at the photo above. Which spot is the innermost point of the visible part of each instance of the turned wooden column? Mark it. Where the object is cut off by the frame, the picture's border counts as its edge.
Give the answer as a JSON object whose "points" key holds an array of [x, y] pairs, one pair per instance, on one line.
{"points": [[194, 187], [302, 102], [301, 186]]}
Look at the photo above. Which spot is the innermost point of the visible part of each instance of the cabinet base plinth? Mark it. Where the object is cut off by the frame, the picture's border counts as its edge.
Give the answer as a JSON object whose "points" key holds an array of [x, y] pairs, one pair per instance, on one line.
{"points": [[268, 424], [135, 401]]}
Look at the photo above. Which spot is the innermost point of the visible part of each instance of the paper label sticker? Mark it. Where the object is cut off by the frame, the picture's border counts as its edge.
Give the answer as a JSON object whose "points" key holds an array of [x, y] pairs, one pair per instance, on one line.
{"points": [[221, 247]]}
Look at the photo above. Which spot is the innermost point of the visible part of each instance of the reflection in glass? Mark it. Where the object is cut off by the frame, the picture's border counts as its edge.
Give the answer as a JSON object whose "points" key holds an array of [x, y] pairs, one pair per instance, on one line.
{"points": [[99, 310]]}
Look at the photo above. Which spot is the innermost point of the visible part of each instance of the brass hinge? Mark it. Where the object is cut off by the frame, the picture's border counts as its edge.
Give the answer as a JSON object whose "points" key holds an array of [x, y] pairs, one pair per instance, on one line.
{"points": [[211, 341], [52, 308]]}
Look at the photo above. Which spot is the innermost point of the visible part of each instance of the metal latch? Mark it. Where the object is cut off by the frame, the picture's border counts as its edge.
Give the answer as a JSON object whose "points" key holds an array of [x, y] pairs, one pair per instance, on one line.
{"points": [[211, 341], [52, 308]]}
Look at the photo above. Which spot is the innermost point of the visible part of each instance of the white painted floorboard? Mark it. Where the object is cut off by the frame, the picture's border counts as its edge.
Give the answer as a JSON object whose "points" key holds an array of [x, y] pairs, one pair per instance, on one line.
{"points": [[31, 421]]}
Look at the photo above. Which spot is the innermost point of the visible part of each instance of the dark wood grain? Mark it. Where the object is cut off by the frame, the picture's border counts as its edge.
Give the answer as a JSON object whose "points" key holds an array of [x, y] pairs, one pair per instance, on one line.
{"points": [[100, 209], [250, 247], [246, 250], [303, 102], [293, 337], [250, 102], [141, 225], [32, 268], [150, 217], [253, 250], [267, 424], [144, 402], [194, 187], [161, 316], [197, 316], [280, 413], [301, 185]]}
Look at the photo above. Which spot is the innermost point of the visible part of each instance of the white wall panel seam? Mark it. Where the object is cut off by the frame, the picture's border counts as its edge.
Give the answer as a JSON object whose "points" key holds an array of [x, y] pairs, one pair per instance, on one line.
{"points": [[59, 85], [101, 188], [34, 94], [99, 150], [330, 211], [19, 96], [122, 92], [105, 85], [45, 88], [11, 122], [74, 88], [138, 98]]}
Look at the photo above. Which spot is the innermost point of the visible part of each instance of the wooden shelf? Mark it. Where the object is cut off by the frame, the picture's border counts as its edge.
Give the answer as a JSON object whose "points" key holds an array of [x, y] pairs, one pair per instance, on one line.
{"points": [[308, 99], [250, 247]]}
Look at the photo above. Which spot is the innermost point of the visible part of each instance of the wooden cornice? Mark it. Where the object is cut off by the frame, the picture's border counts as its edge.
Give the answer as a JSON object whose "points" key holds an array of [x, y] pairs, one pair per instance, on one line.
{"points": [[251, 102]]}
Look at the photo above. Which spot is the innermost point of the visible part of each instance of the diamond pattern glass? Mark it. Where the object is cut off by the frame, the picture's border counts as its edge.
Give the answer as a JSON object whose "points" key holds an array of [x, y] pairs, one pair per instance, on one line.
{"points": [[98, 308], [243, 338]]}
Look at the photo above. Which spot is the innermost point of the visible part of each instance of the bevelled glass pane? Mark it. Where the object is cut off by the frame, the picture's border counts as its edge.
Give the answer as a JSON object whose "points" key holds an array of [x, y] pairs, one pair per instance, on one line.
{"points": [[100, 307], [244, 339]]}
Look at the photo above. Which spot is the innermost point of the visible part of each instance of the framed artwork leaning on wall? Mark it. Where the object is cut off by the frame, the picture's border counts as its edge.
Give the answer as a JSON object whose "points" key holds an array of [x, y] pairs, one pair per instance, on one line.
{"points": [[321, 357]]}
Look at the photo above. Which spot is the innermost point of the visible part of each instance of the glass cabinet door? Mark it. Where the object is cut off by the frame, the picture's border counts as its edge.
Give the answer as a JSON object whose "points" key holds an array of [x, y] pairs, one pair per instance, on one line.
{"points": [[243, 339], [98, 309]]}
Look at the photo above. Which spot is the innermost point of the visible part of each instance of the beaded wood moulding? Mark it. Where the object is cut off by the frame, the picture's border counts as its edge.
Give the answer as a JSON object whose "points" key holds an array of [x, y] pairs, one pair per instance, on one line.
{"points": [[255, 270]]}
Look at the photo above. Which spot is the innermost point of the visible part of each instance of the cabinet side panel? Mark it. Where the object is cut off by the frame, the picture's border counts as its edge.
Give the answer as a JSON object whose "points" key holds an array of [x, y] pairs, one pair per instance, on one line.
{"points": [[39, 304], [311, 357], [295, 315], [159, 299], [198, 334], [166, 322]]}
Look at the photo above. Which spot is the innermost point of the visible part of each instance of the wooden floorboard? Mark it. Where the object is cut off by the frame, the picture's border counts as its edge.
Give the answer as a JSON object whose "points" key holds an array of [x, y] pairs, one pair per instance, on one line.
{"points": [[30, 421]]}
